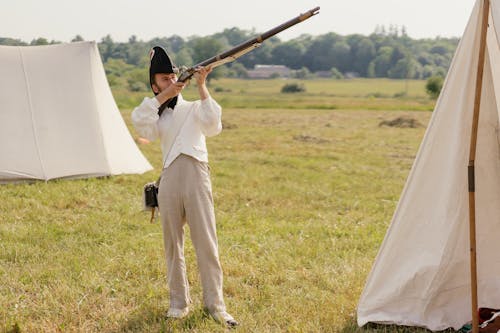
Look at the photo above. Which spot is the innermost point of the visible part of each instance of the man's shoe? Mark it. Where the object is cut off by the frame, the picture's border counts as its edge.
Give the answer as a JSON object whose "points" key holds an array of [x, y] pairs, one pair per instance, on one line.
{"points": [[224, 318], [177, 313]]}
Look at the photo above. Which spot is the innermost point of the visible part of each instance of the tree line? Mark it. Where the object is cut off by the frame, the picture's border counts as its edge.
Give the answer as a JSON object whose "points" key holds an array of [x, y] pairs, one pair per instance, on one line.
{"points": [[386, 52]]}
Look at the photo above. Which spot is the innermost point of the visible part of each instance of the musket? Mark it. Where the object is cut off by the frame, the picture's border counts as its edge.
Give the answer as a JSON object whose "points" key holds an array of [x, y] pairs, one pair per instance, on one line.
{"points": [[240, 49]]}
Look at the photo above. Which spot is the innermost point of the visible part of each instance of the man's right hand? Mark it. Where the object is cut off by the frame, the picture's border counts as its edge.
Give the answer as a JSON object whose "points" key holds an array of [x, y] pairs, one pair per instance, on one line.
{"points": [[171, 91]]}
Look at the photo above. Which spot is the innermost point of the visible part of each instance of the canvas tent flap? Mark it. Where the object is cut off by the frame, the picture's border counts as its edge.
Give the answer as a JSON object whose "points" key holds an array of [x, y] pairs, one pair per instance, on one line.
{"points": [[119, 145], [58, 118], [17, 160], [67, 131], [421, 276]]}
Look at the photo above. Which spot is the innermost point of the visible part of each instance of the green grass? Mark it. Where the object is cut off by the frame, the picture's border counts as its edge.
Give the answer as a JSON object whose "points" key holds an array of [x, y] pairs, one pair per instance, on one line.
{"points": [[303, 199], [356, 94]]}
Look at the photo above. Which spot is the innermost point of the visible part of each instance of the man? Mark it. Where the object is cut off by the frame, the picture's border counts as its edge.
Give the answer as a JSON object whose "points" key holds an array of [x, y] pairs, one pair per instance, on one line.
{"points": [[185, 193]]}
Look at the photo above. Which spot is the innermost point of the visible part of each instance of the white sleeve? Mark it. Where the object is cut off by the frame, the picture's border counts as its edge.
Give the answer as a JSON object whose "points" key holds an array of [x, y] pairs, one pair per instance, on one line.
{"points": [[145, 118], [209, 114]]}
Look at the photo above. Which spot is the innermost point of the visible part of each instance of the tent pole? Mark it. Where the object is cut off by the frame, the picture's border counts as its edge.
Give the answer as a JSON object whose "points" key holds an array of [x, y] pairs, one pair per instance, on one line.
{"points": [[471, 171]]}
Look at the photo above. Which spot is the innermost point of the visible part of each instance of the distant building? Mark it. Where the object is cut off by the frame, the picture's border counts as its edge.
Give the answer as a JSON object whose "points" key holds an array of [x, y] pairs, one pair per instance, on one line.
{"points": [[324, 74], [268, 71], [351, 75]]}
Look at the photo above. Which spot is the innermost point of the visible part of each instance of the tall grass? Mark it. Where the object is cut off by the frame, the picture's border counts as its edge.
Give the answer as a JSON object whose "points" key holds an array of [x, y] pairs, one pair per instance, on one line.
{"points": [[303, 199]]}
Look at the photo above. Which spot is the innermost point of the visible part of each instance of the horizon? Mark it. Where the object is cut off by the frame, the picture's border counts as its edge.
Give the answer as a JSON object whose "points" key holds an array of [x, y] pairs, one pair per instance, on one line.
{"points": [[387, 32]]}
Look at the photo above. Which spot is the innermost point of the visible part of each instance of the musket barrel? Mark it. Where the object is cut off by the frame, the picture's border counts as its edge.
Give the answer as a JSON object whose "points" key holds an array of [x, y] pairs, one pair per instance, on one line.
{"points": [[242, 48], [259, 39], [290, 23]]}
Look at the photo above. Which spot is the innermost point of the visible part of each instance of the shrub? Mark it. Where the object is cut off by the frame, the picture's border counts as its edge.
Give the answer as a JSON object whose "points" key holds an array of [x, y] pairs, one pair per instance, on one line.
{"points": [[137, 86], [336, 74], [293, 88], [302, 73], [434, 85], [221, 89]]}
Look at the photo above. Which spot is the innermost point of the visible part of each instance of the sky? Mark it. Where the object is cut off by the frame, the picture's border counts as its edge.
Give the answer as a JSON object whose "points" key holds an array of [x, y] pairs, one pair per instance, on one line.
{"points": [[62, 20]]}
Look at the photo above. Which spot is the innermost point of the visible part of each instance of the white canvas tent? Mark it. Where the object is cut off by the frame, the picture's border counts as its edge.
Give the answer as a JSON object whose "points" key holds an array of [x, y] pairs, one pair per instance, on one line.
{"points": [[422, 276], [58, 118]]}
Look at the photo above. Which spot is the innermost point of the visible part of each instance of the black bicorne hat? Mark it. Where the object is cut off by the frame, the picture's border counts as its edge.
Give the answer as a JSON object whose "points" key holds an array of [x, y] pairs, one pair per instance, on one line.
{"points": [[160, 63]]}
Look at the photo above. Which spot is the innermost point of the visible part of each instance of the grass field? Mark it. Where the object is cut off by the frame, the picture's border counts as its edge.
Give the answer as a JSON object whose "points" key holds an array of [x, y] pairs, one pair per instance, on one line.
{"points": [[357, 94], [304, 187]]}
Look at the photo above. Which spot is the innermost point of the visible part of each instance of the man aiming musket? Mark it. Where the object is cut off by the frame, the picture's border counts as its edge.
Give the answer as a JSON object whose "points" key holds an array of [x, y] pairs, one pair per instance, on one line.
{"points": [[185, 193]]}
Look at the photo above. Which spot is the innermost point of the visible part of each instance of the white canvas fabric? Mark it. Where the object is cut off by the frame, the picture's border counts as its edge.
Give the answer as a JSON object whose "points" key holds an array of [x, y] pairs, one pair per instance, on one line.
{"points": [[58, 118], [421, 276]]}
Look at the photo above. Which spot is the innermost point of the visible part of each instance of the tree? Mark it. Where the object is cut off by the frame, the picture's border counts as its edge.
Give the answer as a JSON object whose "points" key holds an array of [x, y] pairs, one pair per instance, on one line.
{"points": [[239, 70], [39, 41], [106, 47], [77, 38], [384, 53], [341, 53], [134, 51], [398, 53], [364, 53], [403, 31], [234, 36], [289, 54], [261, 55], [425, 59], [404, 69], [371, 70], [12, 42], [336, 74], [320, 56], [206, 47], [132, 39], [441, 49], [302, 73], [175, 43], [183, 58], [117, 67], [382, 62], [138, 79]]}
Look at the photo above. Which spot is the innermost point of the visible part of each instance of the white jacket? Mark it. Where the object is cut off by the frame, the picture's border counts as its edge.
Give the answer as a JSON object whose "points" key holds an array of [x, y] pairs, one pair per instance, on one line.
{"points": [[202, 118]]}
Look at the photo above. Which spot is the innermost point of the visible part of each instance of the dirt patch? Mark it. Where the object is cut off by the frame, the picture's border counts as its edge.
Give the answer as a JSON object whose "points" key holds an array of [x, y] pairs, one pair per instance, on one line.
{"points": [[401, 122], [309, 139], [226, 125]]}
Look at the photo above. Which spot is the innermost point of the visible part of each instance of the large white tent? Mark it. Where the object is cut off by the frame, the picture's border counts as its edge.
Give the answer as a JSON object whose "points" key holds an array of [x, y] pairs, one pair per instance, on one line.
{"points": [[58, 118], [422, 276]]}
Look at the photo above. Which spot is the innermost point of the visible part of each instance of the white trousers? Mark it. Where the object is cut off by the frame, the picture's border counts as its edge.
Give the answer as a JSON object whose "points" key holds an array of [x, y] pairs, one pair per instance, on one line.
{"points": [[185, 195]]}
